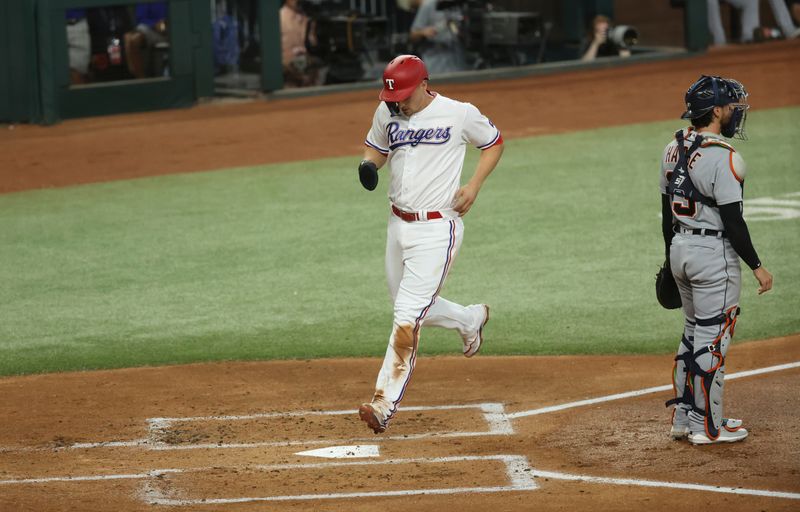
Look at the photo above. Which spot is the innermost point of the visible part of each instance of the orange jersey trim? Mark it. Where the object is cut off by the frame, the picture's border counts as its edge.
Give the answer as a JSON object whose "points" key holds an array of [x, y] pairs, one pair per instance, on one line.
{"points": [[717, 143], [730, 163]]}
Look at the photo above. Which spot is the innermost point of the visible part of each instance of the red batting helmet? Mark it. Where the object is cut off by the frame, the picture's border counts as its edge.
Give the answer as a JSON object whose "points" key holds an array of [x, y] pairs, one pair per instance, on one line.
{"points": [[401, 76]]}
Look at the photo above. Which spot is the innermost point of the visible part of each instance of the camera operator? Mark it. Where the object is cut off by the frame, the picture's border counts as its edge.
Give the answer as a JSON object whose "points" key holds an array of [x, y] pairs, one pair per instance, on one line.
{"points": [[604, 46], [435, 32]]}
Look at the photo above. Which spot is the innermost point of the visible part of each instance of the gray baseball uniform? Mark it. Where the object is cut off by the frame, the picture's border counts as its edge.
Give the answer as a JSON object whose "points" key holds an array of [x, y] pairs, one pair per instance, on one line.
{"points": [[706, 269]]}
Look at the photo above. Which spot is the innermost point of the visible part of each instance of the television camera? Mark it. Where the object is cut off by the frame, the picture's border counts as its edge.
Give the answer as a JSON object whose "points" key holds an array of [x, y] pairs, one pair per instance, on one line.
{"points": [[484, 30]]}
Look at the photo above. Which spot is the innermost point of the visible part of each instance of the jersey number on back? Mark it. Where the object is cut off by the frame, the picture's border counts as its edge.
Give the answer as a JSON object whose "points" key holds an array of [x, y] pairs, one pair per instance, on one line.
{"points": [[682, 207]]}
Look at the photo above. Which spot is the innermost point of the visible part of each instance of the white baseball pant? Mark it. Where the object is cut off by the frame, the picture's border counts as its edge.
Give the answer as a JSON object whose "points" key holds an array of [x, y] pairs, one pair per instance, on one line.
{"points": [[418, 258]]}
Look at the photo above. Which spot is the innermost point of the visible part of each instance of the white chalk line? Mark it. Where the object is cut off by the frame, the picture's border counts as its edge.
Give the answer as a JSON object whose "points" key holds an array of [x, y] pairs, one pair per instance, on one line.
{"points": [[494, 414], [495, 409], [640, 392], [499, 421], [669, 485], [518, 471], [483, 406]]}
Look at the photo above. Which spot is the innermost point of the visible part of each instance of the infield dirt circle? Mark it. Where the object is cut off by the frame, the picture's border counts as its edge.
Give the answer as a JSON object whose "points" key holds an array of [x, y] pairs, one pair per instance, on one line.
{"points": [[489, 433]]}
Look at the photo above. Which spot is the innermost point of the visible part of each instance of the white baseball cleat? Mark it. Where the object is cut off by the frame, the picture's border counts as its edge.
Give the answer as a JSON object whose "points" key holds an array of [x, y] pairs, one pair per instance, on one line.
{"points": [[473, 342], [731, 432]]}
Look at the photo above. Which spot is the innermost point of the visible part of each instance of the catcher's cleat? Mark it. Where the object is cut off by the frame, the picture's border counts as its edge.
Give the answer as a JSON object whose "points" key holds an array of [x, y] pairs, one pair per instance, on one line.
{"points": [[731, 432], [473, 342], [680, 424], [368, 415], [679, 432]]}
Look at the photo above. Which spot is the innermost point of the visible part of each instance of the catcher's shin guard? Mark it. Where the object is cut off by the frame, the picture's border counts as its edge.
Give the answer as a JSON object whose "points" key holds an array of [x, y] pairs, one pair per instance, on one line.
{"points": [[708, 373], [682, 386]]}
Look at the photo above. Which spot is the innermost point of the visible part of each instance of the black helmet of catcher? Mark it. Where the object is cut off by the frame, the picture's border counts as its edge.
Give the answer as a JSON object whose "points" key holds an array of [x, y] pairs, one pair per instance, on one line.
{"points": [[713, 91]]}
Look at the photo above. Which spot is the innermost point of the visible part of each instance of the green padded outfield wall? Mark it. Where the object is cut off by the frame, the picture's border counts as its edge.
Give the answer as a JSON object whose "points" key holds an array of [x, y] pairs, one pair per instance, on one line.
{"points": [[270, 26], [191, 71], [34, 64], [695, 23], [19, 80]]}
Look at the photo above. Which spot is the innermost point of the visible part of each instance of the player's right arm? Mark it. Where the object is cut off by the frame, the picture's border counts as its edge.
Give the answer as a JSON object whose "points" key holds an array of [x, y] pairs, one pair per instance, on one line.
{"points": [[666, 202], [374, 156], [377, 148]]}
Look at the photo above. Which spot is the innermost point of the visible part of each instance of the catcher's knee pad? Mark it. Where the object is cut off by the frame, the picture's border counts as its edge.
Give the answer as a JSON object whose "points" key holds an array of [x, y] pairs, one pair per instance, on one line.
{"points": [[708, 371], [681, 384]]}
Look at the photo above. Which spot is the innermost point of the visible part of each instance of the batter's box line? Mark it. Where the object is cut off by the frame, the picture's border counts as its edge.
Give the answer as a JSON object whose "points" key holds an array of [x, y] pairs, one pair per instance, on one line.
{"points": [[517, 468], [494, 414], [518, 471]]}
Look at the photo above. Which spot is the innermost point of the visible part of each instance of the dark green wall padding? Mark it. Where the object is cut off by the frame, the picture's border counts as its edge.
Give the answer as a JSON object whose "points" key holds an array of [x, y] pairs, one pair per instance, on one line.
{"points": [[35, 85], [19, 80]]}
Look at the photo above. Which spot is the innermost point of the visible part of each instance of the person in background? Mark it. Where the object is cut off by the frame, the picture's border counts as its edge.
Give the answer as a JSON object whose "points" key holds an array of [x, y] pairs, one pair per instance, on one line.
{"points": [[783, 17], [748, 11], [79, 45], [151, 29], [298, 31], [436, 34], [600, 46], [794, 8]]}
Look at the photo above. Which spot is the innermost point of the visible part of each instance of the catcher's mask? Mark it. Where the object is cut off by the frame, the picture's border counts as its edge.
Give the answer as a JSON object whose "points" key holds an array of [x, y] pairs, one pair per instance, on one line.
{"points": [[713, 91], [401, 76]]}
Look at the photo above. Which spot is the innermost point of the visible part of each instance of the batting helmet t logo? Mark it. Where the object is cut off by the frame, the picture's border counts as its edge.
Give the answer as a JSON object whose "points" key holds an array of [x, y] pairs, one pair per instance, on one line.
{"points": [[401, 76]]}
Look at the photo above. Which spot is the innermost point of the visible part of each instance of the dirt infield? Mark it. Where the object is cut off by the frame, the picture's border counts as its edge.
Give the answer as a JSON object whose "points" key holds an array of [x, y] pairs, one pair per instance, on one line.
{"points": [[488, 433], [231, 432]]}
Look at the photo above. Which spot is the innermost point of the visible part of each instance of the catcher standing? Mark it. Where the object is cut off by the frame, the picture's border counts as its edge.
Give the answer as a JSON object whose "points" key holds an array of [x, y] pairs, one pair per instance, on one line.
{"points": [[423, 137], [702, 181]]}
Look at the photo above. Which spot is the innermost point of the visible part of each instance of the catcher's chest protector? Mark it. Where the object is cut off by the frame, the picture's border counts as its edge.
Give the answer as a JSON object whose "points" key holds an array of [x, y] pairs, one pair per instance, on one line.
{"points": [[680, 183]]}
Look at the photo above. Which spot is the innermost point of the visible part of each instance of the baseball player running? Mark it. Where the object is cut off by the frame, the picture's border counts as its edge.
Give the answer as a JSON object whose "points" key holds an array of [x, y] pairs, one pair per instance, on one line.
{"points": [[702, 180], [423, 136]]}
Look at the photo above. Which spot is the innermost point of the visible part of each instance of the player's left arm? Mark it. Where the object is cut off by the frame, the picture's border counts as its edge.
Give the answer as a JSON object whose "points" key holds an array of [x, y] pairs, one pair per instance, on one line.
{"points": [[728, 194], [487, 162], [478, 130]]}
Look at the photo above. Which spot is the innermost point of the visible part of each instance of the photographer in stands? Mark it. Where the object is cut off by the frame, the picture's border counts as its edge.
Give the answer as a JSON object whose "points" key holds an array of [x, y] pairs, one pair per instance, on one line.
{"points": [[607, 41]]}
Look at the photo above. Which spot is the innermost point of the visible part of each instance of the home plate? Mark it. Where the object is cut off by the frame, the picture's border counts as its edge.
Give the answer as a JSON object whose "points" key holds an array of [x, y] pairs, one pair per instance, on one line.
{"points": [[355, 451]]}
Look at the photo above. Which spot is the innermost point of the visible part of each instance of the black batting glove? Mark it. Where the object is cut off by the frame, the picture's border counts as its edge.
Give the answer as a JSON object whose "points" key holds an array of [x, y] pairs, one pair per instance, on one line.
{"points": [[368, 174]]}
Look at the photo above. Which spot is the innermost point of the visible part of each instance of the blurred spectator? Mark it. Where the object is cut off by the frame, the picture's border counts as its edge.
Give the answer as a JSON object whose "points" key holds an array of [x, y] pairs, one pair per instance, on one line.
{"points": [[298, 32], [79, 45], [600, 45], [405, 12], [107, 28], [225, 37], [748, 14], [140, 43], [750, 21], [794, 6], [436, 33], [784, 19]]}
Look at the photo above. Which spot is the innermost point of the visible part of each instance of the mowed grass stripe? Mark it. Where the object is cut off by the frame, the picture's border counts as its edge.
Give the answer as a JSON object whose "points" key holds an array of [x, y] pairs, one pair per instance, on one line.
{"points": [[286, 261]]}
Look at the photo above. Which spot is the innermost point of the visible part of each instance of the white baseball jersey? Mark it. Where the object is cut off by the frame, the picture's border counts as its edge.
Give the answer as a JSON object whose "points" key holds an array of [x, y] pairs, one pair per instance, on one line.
{"points": [[717, 172], [426, 151]]}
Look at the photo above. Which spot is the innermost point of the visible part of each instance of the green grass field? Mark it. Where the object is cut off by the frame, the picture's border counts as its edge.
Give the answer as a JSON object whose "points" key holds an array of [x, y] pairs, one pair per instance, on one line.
{"points": [[286, 261]]}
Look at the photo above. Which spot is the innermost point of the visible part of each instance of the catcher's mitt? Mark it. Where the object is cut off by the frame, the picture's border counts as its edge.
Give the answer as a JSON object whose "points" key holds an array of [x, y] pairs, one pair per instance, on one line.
{"points": [[666, 289]]}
